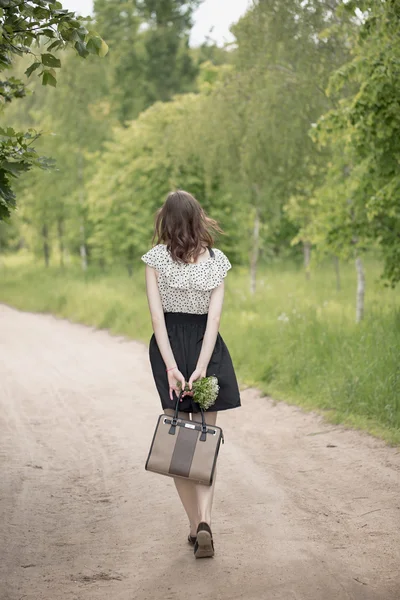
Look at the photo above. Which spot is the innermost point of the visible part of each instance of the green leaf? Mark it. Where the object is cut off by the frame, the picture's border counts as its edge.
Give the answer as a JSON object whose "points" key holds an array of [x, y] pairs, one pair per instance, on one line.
{"points": [[48, 32], [41, 13], [49, 60], [96, 45], [32, 68], [82, 32], [91, 46], [81, 49], [49, 78], [14, 168], [103, 50], [55, 45]]}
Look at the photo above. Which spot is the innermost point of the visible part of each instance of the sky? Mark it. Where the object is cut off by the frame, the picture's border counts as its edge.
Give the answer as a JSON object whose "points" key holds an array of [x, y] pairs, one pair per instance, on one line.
{"points": [[217, 15]]}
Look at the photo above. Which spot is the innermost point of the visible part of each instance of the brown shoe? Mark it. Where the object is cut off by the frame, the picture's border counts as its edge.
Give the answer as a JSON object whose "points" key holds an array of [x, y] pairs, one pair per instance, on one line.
{"points": [[192, 539], [204, 545]]}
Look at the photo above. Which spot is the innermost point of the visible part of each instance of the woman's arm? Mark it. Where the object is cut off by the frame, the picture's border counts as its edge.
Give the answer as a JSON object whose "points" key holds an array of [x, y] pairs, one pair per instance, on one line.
{"points": [[210, 335], [160, 330]]}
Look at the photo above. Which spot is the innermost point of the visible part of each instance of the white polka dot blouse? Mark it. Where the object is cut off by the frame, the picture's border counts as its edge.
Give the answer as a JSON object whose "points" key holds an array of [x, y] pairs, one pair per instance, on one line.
{"points": [[186, 287]]}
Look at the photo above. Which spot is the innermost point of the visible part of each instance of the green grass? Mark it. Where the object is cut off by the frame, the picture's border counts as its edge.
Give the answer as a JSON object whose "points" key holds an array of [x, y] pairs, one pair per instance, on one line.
{"points": [[295, 339]]}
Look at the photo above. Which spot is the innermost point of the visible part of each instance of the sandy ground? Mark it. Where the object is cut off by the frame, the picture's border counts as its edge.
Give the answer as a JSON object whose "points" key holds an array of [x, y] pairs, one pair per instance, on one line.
{"points": [[303, 510]]}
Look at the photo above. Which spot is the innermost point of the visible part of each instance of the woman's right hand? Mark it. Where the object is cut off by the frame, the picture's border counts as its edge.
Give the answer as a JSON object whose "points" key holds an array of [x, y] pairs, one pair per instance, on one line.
{"points": [[175, 376]]}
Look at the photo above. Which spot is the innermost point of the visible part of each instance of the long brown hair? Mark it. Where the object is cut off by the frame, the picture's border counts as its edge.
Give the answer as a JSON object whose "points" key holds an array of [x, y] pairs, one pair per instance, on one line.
{"points": [[182, 224]]}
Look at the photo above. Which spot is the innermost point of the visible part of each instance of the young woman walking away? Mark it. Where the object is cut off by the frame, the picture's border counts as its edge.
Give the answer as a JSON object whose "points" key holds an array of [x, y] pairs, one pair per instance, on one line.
{"points": [[185, 291]]}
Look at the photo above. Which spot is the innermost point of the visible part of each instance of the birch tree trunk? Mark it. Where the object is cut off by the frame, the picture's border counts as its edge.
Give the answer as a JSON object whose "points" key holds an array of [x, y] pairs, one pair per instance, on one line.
{"points": [[2, 264], [360, 290], [337, 273], [82, 228], [46, 247], [307, 258], [60, 233], [255, 252], [83, 252]]}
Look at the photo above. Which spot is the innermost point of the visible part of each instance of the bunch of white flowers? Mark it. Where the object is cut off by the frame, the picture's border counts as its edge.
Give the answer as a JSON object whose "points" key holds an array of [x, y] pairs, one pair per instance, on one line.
{"points": [[205, 391]]}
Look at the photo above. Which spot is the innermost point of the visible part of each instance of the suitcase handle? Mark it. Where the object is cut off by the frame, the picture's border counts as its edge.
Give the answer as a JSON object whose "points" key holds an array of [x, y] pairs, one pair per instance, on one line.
{"points": [[172, 429]]}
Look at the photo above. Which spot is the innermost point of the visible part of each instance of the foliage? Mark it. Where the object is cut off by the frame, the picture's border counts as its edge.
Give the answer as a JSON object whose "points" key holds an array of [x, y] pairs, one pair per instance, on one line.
{"points": [[17, 156], [254, 124], [24, 25], [273, 145], [363, 179], [140, 165], [150, 59], [77, 114]]}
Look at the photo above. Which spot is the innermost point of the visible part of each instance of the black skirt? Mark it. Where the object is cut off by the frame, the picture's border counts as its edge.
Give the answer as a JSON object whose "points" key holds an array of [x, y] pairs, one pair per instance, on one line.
{"points": [[186, 332]]}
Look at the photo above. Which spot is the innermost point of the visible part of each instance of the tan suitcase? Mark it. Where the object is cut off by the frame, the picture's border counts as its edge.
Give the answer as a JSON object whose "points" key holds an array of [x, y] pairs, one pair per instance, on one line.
{"points": [[183, 448]]}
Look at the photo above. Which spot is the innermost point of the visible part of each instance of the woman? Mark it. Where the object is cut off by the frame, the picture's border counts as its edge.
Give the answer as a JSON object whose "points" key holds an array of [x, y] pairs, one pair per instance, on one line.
{"points": [[185, 292]]}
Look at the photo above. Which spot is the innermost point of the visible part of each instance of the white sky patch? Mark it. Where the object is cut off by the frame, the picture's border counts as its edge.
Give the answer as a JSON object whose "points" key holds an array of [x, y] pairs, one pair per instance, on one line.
{"points": [[83, 7], [213, 19]]}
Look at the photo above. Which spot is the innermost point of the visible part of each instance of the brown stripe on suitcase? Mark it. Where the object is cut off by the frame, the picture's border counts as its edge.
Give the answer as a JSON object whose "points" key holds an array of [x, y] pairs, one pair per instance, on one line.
{"points": [[204, 457], [182, 456]]}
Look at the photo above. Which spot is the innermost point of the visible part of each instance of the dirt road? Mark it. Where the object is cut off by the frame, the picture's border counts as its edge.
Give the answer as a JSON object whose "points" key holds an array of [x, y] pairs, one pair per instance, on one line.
{"points": [[303, 510]]}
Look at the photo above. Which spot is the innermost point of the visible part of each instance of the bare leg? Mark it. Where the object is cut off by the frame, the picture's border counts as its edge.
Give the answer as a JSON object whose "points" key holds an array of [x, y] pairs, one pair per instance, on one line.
{"points": [[187, 490], [205, 493]]}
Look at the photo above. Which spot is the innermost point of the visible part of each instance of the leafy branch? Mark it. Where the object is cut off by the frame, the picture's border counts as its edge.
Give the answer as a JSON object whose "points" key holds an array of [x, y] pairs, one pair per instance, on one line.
{"points": [[50, 27]]}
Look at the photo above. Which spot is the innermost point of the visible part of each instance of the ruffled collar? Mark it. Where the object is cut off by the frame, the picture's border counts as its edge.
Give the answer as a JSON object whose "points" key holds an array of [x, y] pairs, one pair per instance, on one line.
{"points": [[211, 256], [203, 276]]}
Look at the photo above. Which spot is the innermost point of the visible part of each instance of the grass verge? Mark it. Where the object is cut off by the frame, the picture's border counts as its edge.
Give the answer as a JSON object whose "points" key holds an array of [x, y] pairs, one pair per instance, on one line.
{"points": [[294, 339]]}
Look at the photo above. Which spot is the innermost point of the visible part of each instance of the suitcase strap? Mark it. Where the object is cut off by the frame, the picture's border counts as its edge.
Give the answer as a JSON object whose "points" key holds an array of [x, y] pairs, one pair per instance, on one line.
{"points": [[172, 429]]}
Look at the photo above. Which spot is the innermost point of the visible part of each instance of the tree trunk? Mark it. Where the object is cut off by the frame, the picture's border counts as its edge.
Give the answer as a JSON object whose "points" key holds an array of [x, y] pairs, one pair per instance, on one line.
{"points": [[82, 228], [46, 247], [82, 248], [255, 252], [60, 233], [337, 272], [360, 290], [2, 263], [307, 258], [130, 260]]}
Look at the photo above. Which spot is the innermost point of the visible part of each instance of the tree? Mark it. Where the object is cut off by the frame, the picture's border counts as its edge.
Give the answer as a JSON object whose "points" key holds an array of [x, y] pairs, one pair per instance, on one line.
{"points": [[142, 163], [137, 173], [260, 116], [367, 125], [356, 207], [76, 120], [23, 26], [81, 126], [149, 57]]}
